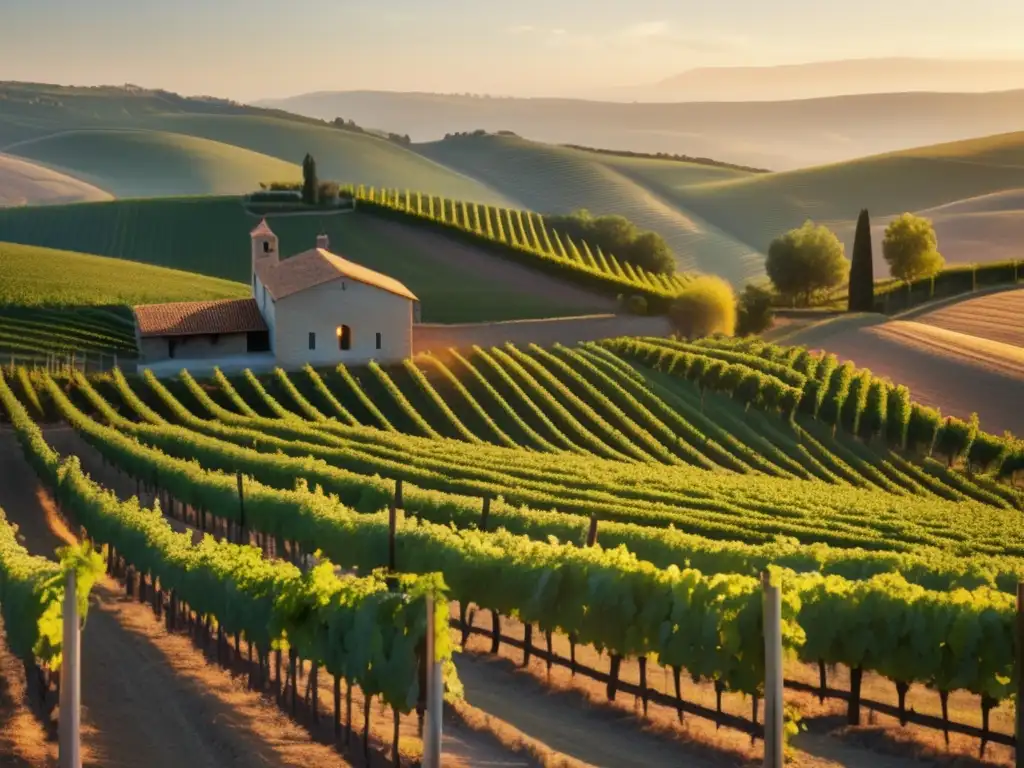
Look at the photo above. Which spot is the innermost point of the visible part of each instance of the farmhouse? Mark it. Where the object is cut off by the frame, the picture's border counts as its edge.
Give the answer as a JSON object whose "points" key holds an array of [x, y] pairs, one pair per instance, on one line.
{"points": [[314, 307]]}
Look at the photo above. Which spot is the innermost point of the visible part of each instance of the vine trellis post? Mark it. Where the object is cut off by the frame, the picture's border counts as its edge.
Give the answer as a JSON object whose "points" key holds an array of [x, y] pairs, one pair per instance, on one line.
{"points": [[435, 694], [69, 726], [774, 712]]}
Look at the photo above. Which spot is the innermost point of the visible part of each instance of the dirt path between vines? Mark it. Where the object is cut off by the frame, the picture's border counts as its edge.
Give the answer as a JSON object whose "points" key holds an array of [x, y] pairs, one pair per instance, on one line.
{"points": [[147, 697], [24, 742], [461, 747]]}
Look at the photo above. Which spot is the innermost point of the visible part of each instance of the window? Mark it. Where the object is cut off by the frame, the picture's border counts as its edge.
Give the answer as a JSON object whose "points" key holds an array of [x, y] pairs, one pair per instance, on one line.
{"points": [[266, 246], [312, 340], [344, 337], [378, 339]]}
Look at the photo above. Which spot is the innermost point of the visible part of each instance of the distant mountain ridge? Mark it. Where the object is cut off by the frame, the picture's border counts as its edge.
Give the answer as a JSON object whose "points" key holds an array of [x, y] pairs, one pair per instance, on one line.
{"points": [[834, 78], [780, 135]]}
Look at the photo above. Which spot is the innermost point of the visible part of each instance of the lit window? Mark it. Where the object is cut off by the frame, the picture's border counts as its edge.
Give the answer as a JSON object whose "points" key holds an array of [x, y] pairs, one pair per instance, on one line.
{"points": [[344, 337]]}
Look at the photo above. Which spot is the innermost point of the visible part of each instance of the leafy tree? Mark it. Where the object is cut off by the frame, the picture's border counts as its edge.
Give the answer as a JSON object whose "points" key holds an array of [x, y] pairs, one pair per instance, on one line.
{"points": [[806, 261], [911, 248], [754, 312], [705, 306], [619, 236], [862, 270], [310, 185]]}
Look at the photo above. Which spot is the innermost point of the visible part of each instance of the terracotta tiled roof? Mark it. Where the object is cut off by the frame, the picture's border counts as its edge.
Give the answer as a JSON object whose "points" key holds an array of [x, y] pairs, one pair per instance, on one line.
{"points": [[318, 266], [197, 318], [262, 228]]}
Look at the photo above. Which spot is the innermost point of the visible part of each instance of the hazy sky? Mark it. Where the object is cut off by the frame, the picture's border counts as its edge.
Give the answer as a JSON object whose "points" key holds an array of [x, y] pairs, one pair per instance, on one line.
{"points": [[248, 49]]}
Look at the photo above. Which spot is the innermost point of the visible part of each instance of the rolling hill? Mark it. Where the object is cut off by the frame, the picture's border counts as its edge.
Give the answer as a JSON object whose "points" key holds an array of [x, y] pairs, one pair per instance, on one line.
{"points": [[781, 135], [54, 125], [134, 163], [210, 236], [718, 219], [560, 179], [25, 183], [757, 208]]}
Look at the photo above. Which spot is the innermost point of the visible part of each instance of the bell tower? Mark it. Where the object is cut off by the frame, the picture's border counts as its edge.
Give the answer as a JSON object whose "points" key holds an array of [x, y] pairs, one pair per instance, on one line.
{"points": [[264, 245]]}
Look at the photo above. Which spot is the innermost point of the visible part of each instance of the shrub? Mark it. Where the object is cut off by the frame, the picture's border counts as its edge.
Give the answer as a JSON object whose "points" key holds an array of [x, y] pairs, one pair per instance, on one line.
{"points": [[754, 311], [705, 306], [911, 248], [805, 262]]}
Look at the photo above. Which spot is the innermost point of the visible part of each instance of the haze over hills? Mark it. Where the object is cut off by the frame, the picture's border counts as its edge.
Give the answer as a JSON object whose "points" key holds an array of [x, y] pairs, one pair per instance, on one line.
{"points": [[781, 135], [87, 144], [820, 79]]}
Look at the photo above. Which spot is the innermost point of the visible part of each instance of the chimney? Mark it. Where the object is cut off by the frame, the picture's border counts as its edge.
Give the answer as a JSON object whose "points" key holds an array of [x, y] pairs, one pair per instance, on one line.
{"points": [[323, 242]]}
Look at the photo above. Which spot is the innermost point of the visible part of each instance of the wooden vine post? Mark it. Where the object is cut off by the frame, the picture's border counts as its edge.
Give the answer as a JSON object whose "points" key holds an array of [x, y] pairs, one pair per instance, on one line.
{"points": [[70, 725], [1019, 756], [774, 713], [435, 694]]}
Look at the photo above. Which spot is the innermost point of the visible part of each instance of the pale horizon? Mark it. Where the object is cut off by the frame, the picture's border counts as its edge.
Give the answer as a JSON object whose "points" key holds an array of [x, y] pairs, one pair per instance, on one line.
{"points": [[259, 49]]}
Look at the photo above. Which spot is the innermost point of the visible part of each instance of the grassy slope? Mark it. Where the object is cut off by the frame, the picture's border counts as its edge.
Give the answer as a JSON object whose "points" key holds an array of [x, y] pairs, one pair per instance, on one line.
{"points": [[340, 155], [130, 163], [25, 183], [559, 180], [210, 236], [33, 112], [33, 276], [757, 208], [53, 300]]}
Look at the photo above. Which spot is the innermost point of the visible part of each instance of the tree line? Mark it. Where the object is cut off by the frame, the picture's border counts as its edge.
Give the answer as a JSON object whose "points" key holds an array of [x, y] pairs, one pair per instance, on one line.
{"points": [[808, 262]]}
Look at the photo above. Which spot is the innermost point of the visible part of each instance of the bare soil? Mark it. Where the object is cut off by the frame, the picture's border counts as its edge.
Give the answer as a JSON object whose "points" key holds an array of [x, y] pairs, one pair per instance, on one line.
{"points": [[957, 373], [998, 317], [24, 740]]}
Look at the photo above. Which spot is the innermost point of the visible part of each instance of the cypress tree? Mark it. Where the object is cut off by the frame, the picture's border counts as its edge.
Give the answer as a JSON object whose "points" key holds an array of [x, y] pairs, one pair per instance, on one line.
{"points": [[862, 270], [310, 184]]}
